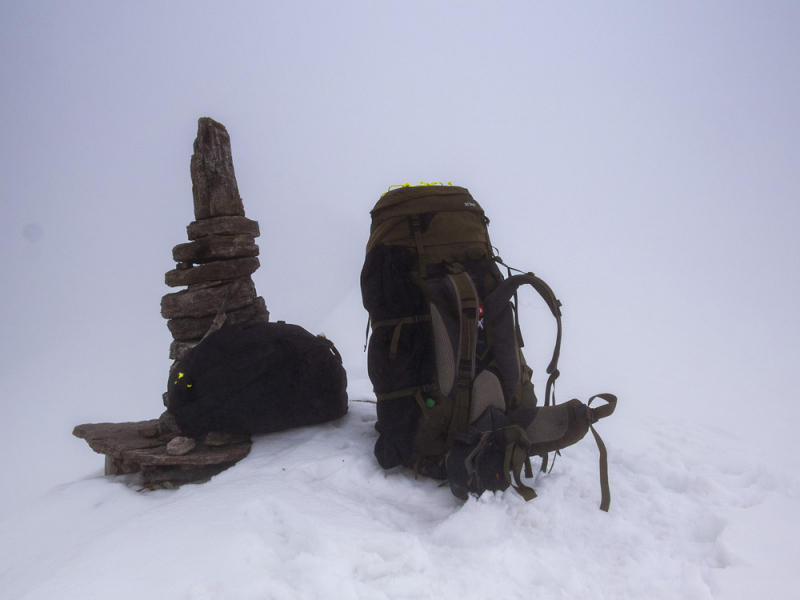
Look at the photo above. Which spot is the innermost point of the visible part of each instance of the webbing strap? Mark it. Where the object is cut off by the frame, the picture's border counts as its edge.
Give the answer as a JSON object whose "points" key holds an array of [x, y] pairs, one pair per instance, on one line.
{"points": [[516, 458], [411, 319], [460, 418], [605, 491], [548, 392], [468, 316], [595, 414], [601, 412], [396, 336], [415, 392], [545, 458], [222, 315], [397, 394], [420, 393], [517, 329], [480, 446], [398, 326], [497, 301]]}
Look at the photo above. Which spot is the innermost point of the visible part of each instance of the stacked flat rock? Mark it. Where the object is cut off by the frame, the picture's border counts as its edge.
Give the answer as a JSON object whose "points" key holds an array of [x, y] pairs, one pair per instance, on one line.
{"points": [[215, 266], [221, 255]]}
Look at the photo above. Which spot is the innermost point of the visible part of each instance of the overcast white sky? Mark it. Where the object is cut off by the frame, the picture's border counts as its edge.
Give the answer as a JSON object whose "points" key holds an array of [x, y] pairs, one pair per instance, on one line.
{"points": [[642, 157]]}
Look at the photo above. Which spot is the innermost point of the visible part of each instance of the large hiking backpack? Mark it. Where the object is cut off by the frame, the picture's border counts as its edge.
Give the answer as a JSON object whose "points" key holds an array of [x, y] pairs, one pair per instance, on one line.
{"points": [[258, 379], [454, 393]]}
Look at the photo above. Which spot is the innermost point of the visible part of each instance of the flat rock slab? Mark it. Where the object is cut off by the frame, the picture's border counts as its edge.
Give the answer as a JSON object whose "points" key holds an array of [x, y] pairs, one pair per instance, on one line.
{"points": [[178, 349], [189, 329], [221, 270], [207, 301], [132, 451], [222, 226], [215, 247]]}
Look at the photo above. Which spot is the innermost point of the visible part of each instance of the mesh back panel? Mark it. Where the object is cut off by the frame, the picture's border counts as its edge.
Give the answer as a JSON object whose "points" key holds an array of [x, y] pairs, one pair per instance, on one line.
{"points": [[486, 392], [445, 359]]}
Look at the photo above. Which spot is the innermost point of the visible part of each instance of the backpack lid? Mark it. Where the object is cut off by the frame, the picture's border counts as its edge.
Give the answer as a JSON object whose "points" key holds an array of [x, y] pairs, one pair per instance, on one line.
{"points": [[423, 199]]}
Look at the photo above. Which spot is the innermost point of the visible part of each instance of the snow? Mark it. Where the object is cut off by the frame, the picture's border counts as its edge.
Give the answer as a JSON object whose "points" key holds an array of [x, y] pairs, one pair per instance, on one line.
{"points": [[310, 514], [640, 157]]}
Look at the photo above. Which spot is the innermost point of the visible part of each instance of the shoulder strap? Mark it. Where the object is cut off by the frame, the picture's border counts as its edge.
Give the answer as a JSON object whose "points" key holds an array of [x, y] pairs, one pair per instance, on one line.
{"points": [[467, 309], [499, 298]]}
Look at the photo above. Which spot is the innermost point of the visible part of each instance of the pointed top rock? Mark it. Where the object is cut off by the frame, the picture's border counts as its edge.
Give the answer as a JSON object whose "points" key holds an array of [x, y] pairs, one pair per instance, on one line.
{"points": [[214, 187]]}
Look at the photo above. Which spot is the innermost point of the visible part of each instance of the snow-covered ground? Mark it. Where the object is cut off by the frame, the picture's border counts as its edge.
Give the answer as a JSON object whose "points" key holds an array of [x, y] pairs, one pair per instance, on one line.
{"points": [[641, 157], [310, 514]]}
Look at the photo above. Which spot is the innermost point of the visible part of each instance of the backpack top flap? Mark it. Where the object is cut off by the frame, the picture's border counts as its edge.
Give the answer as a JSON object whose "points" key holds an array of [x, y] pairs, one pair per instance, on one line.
{"points": [[410, 216], [419, 199]]}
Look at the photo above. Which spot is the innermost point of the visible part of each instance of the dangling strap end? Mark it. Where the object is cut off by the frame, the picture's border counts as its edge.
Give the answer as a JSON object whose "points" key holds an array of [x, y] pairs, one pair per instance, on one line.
{"points": [[605, 491]]}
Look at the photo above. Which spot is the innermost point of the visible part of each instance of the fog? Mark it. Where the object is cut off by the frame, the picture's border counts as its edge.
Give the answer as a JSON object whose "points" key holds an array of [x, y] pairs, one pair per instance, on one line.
{"points": [[642, 158]]}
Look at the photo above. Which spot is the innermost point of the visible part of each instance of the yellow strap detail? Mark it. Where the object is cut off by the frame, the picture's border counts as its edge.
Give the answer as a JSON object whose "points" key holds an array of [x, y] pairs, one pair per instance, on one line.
{"points": [[421, 183]]}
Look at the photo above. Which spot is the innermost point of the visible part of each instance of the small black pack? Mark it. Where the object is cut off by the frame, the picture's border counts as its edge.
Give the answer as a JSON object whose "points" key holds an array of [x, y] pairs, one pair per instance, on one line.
{"points": [[258, 379]]}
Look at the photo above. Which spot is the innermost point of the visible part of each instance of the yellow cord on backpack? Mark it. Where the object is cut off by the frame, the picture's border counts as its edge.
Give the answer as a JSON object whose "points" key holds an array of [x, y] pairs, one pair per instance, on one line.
{"points": [[421, 183]]}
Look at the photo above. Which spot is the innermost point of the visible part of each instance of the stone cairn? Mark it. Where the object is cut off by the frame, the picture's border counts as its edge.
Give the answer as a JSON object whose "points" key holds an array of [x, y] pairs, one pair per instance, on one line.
{"points": [[217, 262], [215, 266]]}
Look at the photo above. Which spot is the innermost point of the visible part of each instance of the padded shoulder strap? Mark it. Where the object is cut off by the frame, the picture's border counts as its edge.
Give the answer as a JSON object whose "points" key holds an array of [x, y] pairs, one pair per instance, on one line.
{"points": [[499, 298], [467, 310]]}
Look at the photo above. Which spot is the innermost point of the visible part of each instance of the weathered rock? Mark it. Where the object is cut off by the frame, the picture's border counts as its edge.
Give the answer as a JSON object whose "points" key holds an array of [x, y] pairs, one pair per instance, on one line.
{"points": [[178, 446], [171, 477], [192, 329], [115, 439], [131, 452], [223, 245], [150, 431], [205, 284], [223, 270], [207, 301], [167, 423], [177, 350], [214, 185], [215, 247], [222, 226]]}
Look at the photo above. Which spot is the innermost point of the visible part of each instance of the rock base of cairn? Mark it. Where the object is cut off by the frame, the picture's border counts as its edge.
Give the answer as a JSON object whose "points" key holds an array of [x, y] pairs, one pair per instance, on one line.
{"points": [[145, 447]]}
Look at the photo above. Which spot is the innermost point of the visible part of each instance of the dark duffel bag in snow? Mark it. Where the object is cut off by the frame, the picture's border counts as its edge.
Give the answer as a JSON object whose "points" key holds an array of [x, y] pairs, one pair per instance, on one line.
{"points": [[263, 378]]}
